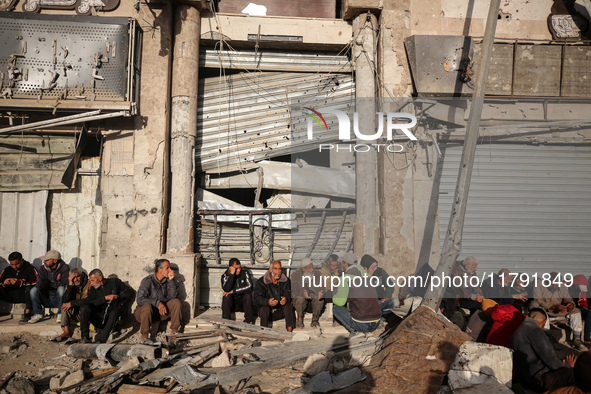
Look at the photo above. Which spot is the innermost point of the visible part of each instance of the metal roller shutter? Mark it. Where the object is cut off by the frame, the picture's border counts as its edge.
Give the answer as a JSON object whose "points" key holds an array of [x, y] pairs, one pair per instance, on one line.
{"points": [[529, 208]]}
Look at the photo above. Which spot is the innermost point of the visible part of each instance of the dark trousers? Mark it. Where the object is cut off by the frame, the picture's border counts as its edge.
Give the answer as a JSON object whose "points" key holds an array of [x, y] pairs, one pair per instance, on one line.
{"points": [[17, 295], [268, 315], [103, 319], [148, 312], [232, 301], [556, 379], [301, 304]]}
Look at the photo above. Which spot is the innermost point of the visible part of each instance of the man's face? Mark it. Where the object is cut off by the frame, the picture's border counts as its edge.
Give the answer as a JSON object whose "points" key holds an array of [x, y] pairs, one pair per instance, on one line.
{"points": [[471, 267], [95, 282], [16, 264], [276, 270], [77, 279], [333, 264], [164, 269], [506, 277], [51, 263], [238, 268], [309, 268]]}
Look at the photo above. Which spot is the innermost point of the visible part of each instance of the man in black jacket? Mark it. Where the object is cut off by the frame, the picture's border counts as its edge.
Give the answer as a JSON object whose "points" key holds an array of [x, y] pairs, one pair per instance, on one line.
{"points": [[16, 282], [272, 294], [534, 360], [237, 287], [157, 297], [102, 306]]}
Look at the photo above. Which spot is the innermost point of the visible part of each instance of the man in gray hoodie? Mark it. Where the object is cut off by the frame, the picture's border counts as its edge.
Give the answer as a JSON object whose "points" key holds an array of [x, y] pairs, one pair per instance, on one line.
{"points": [[157, 298]]}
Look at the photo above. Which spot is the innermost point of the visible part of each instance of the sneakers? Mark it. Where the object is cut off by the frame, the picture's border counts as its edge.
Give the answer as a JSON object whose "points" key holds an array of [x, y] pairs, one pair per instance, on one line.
{"points": [[58, 318], [36, 319], [24, 319]]}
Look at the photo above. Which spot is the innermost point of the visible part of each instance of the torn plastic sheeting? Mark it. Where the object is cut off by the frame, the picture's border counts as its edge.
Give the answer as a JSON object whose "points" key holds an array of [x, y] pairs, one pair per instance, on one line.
{"points": [[185, 375], [290, 176]]}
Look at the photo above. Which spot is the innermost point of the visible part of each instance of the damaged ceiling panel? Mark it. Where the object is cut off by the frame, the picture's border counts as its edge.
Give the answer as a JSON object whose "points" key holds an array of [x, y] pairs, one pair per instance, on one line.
{"points": [[246, 118], [445, 65], [302, 178], [37, 162]]}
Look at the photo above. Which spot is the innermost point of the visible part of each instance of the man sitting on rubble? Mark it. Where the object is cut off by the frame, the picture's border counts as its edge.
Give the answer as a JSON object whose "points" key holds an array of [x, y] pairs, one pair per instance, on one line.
{"points": [[16, 282], [500, 289], [387, 303], [307, 290], [157, 298], [272, 294], [357, 307], [470, 295], [76, 292], [237, 288], [534, 360], [335, 267], [557, 302], [102, 307], [48, 292]]}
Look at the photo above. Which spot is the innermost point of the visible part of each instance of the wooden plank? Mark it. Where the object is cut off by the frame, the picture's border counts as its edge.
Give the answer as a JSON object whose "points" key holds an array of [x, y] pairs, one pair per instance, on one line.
{"points": [[133, 389], [537, 70], [31, 182], [277, 334], [37, 144], [33, 161], [576, 72]]}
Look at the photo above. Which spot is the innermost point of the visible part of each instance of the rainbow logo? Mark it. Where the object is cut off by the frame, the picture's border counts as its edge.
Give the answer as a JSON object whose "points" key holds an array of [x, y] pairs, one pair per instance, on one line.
{"points": [[316, 119]]}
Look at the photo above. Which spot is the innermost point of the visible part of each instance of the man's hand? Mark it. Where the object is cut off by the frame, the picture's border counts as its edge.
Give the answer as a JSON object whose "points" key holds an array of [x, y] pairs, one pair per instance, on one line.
{"points": [[10, 281], [227, 293], [570, 360], [570, 306], [162, 308], [71, 278], [111, 297], [171, 274], [562, 309], [66, 306], [520, 296], [283, 301], [321, 294], [232, 270], [383, 299], [306, 295], [272, 302]]}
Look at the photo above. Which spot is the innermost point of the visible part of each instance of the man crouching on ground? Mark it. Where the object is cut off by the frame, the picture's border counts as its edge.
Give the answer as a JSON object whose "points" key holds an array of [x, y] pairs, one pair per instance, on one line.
{"points": [[272, 294], [157, 297]]}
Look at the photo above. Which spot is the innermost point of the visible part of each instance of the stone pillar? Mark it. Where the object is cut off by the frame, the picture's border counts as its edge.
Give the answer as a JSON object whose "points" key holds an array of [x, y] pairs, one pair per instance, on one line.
{"points": [[366, 231], [183, 129]]}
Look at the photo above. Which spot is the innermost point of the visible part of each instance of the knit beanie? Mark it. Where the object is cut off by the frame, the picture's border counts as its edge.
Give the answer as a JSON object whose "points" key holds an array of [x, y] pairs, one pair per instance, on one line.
{"points": [[367, 261]]}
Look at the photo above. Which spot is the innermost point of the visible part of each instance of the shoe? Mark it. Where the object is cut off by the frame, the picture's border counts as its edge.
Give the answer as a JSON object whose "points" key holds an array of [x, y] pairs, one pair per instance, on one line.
{"points": [[85, 340], [58, 318], [577, 344], [299, 324], [315, 324], [24, 319], [36, 319]]}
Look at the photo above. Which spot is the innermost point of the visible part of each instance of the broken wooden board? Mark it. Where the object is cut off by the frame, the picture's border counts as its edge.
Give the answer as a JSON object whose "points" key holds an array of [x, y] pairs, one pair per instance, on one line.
{"points": [[276, 334]]}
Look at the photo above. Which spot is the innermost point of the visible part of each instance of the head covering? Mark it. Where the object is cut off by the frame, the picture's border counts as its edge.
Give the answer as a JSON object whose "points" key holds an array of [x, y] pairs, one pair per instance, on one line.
{"points": [[367, 261], [306, 261], [349, 258], [50, 255], [488, 305], [580, 280], [581, 371]]}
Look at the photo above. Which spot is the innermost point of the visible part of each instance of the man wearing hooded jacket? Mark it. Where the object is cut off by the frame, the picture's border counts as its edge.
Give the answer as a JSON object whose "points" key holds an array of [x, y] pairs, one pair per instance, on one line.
{"points": [[237, 288]]}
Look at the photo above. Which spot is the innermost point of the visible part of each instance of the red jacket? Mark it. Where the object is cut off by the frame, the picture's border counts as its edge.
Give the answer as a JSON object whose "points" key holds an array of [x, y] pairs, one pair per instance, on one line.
{"points": [[506, 320]]}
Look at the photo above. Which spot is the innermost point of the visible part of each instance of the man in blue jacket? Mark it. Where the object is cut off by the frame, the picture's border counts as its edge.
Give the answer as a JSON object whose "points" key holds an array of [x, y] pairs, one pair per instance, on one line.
{"points": [[53, 279], [237, 288], [157, 298]]}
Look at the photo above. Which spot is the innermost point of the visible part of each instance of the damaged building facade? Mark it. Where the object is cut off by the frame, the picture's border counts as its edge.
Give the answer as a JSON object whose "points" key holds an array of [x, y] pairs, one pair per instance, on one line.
{"points": [[137, 130]]}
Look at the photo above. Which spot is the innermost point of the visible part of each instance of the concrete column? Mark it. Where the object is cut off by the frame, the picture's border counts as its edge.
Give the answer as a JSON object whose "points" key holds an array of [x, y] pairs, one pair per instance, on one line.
{"points": [[183, 128], [366, 231]]}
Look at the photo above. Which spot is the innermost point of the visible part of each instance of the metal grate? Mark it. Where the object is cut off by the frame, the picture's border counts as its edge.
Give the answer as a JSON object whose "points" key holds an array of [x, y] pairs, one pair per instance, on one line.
{"points": [[51, 43]]}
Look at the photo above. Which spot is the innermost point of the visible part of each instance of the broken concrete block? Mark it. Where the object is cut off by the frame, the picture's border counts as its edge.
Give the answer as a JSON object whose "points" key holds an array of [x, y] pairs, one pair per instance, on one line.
{"points": [[360, 358], [301, 336], [480, 365], [6, 347], [337, 365], [73, 378], [223, 360], [56, 382], [315, 364], [403, 363]]}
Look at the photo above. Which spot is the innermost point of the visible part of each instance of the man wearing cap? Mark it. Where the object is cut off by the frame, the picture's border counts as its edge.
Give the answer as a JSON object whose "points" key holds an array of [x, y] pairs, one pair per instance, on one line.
{"points": [[16, 282], [237, 291], [50, 288], [272, 294], [356, 304], [307, 288]]}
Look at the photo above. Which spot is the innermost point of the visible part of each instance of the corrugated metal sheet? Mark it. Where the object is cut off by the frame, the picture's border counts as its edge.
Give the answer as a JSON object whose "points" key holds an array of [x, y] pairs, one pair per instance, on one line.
{"points": [[36, 162], [266, 60], [245, 118], [23, 224], [529, 208]]}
